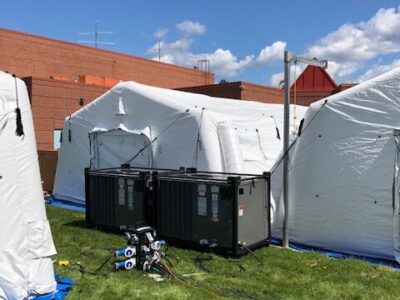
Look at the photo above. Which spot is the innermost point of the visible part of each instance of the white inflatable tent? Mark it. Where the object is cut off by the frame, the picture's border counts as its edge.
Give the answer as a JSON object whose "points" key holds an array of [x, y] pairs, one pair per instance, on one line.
{"points": [[184, 129], [26, 244], [344, 175]]}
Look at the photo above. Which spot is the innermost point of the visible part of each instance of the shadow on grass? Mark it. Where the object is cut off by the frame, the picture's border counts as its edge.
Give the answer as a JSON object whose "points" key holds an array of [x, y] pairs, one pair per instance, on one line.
{"points": [[79, 224]]}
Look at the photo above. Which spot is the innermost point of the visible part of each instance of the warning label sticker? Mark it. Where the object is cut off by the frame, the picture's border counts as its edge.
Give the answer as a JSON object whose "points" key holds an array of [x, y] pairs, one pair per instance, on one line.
{"points": [[201, 189], [241, 210]]}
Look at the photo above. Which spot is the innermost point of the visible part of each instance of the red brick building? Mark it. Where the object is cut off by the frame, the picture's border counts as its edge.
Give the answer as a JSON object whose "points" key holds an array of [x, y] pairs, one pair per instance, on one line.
{"points": [[239, 90]]}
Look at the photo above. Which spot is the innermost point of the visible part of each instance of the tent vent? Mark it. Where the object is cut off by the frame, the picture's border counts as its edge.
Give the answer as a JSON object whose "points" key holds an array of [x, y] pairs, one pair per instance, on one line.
{"points": [[121, 109]]}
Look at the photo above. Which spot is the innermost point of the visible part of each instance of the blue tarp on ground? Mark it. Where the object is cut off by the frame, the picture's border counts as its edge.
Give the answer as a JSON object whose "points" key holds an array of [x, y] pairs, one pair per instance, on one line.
{"points": [[64, 204], [64, 285]]}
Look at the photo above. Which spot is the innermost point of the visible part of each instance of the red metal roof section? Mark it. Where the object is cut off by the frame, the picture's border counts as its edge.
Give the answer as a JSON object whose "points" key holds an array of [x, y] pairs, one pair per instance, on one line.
{"points": [[314, 79]]}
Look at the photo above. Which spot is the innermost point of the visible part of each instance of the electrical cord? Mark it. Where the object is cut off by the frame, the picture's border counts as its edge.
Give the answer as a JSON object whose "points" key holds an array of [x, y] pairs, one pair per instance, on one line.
{"points": [[189, 285], [252, 254]]}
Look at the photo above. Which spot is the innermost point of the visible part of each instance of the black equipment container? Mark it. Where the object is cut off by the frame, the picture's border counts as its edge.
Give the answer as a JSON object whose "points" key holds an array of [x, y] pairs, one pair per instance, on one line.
{"points": [[226, 213], [120, 198]]}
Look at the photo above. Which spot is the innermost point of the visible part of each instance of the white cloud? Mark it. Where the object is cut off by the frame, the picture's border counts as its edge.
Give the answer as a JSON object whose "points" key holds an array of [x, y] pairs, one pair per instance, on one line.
{"points": [[222, 61], [295, 70], [276, 79], [351, 45], [160, 33], [191, 28], [377, 70], [271, 53], [348, 49], [176, 47]]}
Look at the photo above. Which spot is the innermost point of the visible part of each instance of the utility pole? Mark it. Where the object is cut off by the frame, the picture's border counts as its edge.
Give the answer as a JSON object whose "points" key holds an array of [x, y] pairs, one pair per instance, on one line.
{"points": [[288, 59]]}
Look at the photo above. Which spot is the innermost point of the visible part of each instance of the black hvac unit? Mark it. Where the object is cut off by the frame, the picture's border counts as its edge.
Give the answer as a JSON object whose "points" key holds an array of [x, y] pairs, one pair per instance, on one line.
{"points": [[120, 198], [227, 213]]}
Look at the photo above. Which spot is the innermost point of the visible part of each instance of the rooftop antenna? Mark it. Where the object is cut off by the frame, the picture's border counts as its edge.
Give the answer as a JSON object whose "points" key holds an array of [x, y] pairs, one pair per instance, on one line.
{"points": [[288, 59], [95, 34], [204, 66]]}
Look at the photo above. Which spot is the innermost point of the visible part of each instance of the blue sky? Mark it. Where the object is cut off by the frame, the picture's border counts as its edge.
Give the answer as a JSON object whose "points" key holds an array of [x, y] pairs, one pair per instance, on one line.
{"points": [[244, 40]]}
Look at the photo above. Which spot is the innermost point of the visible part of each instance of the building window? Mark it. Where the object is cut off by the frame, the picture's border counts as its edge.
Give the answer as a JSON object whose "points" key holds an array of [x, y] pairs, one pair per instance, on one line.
{"points": [[57, 139]]}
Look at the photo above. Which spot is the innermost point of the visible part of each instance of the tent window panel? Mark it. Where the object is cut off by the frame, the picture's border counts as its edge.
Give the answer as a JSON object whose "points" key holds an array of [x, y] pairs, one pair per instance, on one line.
{"points": [[57, 139], [115, 147]]}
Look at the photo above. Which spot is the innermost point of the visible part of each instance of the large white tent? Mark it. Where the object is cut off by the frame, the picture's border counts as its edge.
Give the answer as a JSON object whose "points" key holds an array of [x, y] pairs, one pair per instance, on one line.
{"points": [[344, 172], [184, 129], [26, 244]]}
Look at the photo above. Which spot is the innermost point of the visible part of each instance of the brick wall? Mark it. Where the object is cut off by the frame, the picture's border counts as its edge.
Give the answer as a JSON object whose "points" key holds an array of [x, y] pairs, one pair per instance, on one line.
{"points": [[29, 55], [52, 101], [307, 98], [266, 94]]}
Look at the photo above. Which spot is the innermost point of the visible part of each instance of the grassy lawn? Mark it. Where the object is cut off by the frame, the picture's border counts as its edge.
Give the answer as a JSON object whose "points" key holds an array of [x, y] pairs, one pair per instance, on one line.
{"points": [[279, 273]]}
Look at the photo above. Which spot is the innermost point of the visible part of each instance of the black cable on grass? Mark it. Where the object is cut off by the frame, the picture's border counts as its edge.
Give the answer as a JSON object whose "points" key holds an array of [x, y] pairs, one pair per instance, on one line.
{"points": [[200, 262], [83, 269], [252, 254]]}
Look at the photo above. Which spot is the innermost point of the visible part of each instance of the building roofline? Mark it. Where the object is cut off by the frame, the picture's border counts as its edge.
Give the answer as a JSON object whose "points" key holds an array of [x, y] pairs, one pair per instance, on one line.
{"points": [[99, 50], [233, 83]]}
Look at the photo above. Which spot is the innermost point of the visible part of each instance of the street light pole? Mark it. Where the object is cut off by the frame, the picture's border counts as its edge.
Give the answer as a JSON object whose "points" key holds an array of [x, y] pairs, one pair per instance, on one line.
{"points": [[288, 59]]}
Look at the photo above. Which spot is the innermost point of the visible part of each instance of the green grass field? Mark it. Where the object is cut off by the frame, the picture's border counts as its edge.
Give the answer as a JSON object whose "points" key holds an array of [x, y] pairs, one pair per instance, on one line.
{"points": [[277, 274]]}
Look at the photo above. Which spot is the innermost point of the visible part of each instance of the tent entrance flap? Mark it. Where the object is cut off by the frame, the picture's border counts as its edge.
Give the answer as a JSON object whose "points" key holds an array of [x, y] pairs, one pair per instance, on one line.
{"points": [[110, 149], [396, 196]]}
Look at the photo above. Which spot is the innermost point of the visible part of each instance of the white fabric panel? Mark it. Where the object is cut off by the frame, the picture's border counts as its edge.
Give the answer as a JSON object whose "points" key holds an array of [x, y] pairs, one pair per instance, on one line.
{"points": [[343, 171], [25, 237], [230, 148]]}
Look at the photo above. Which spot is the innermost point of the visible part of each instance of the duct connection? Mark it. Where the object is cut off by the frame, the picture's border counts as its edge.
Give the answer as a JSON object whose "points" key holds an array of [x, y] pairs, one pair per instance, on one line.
{"points": [[143, 252]]}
